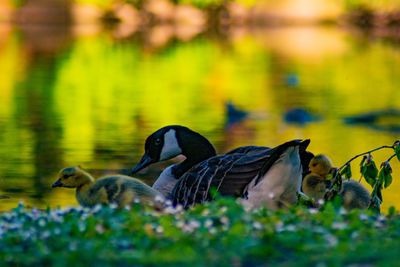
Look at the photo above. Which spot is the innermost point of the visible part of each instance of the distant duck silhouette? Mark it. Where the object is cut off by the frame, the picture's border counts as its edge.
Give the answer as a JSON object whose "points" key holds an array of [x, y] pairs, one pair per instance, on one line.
{"points": [[292, 80], [382, 120], [233, 114], [300, 116]]}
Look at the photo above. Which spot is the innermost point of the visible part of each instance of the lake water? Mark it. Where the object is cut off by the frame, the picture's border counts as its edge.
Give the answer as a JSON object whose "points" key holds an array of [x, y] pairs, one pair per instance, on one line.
{"points": [[90, 96]]}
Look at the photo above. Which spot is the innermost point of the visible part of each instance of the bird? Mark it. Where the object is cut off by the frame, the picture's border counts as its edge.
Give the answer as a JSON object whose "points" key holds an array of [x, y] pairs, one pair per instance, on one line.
{"points": [[120, 189], [316, 184], [240, 173], [320, 165]]}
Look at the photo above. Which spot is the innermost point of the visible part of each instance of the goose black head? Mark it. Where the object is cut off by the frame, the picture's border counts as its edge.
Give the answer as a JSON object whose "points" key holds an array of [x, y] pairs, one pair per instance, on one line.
{"points": [[160, 145]]}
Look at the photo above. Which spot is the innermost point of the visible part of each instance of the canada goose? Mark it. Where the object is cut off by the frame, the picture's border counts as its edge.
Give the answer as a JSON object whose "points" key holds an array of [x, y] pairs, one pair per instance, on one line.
{"points": [[189, 182], [315, 185], [119, 189]]}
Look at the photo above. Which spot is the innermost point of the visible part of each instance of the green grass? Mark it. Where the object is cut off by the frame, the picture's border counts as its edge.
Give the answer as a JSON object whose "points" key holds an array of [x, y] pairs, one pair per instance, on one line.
{"points": [[215, 234]]}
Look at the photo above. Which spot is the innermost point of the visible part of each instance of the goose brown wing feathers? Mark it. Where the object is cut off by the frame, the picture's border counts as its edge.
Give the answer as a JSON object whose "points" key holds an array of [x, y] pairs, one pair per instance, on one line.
{"points": [[229, 174]]}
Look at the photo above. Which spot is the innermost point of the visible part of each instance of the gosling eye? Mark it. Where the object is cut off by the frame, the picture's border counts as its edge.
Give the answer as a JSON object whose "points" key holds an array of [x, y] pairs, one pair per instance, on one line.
{"points": [[66, 176], [157, 142], [314, 164]]}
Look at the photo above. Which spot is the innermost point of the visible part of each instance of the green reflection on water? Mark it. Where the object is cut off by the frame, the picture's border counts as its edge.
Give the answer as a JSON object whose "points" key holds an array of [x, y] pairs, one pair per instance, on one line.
{"points": [[95, 101]]}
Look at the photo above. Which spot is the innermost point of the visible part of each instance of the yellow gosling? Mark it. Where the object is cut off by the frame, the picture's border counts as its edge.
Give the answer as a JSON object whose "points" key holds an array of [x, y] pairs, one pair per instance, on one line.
{"points": [[315, 185], [320, 165], [355, 196], [119, 189]]}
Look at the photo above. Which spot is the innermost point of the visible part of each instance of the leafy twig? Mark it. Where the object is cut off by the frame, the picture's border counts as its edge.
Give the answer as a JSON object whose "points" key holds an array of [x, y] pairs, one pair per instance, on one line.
{"points": [[377, 179], [365, 153]]}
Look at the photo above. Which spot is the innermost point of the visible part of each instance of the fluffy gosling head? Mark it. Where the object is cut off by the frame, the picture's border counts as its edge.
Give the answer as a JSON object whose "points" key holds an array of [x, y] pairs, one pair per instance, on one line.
{"points": [[72, 177], [315, 186], [320, 165]]}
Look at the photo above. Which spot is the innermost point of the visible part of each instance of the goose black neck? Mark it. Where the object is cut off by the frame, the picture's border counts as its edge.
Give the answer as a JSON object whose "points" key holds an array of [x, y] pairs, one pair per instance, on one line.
{"points": [[195, 147]]}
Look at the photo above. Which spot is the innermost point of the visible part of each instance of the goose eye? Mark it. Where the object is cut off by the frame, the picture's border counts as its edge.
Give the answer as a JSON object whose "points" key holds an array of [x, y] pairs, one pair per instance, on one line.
{"points": [[157, 141], [314, 164], [65, 176]]}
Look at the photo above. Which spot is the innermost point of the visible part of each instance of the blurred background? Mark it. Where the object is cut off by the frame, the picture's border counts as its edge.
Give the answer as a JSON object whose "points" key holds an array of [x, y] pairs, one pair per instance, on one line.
{"points": [[84, 82]]}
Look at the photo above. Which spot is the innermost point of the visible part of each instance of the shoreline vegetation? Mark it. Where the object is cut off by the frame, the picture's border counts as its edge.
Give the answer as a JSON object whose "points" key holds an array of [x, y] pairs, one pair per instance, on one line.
{"points": [[380, 20], [219, 233]]}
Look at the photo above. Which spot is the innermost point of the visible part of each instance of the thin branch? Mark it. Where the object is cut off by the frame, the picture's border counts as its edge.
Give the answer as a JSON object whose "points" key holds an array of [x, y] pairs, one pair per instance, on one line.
{"points": [[359, 155], [394, 155]]}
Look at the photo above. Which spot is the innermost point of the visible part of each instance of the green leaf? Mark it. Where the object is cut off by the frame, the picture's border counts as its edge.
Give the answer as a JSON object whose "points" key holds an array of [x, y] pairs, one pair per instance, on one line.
{"points": [[385, 174], [346, 171], [370, 172], [375, 204], [304, 200], [392, 211], [379, 193], [397, 150], [363, 161], [388, 180]]}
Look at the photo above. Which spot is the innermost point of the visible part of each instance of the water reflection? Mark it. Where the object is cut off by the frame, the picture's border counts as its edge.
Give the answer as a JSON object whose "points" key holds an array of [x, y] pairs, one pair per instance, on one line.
{"points": [[87, 96]]}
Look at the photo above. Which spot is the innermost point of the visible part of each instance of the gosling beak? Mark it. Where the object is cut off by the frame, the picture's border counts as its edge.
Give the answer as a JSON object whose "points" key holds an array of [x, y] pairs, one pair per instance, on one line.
{"points": [[143, 163], [57, 184]]}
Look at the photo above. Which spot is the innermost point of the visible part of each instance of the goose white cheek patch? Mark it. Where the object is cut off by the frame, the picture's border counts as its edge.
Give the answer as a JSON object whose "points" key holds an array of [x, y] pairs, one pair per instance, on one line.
{"points": [[171, 147]]}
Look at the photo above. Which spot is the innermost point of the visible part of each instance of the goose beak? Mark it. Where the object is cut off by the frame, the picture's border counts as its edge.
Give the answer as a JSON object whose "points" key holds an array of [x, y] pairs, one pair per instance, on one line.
{"points": [[143, 163], [57, 184]]}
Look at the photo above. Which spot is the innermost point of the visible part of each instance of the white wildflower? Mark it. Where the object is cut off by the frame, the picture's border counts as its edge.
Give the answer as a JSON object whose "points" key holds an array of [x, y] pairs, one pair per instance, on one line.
{"points": [[81, 227], [159, 198], [343, 211], [291, 228], [208, 223], [212, 230], [96, 208], [363, 217], [331, 240], [339, 225], [45, 234], [205, 212], [159, 229], [180, 224], [378, 224], [194, 224], [72, 246], [313, 211], [57, 231], [355, 235], [113, 206], [382, 218], [42, 222], [223, 209], [99, 228], [224, 220], [257, 225]]}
